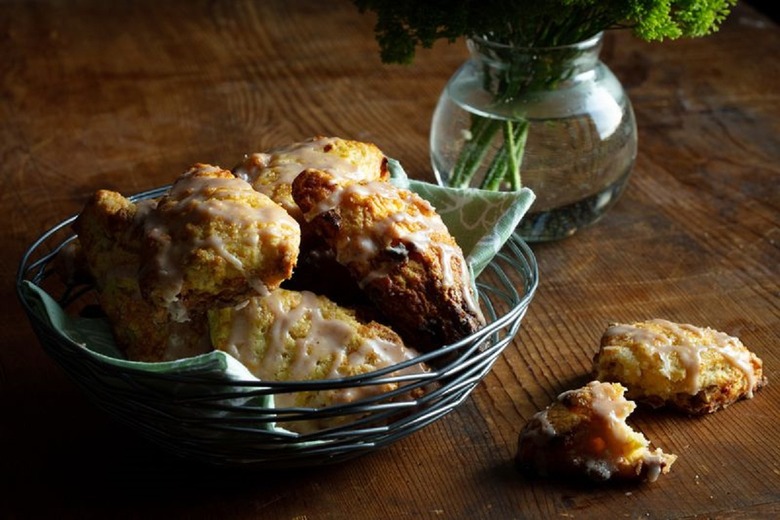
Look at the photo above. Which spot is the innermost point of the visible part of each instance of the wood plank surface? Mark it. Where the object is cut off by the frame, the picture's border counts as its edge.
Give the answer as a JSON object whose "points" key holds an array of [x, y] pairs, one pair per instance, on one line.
{"points": [[126, 95]]}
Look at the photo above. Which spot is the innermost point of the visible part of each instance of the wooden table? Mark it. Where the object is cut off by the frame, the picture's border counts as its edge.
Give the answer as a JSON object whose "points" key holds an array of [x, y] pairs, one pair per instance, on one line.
{"points": [[97, 95]]}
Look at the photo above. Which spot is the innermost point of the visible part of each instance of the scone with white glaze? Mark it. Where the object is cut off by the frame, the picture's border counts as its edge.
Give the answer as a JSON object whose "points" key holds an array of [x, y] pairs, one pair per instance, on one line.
{"points": [[694, 369], [109, 230], [272, 172], [300, 336], [584, 434], [213, 240], [398, 250]]}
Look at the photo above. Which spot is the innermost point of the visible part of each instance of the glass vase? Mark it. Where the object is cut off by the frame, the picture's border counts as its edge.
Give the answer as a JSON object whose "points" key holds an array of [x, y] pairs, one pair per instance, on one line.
{"points": [[555, 120]]}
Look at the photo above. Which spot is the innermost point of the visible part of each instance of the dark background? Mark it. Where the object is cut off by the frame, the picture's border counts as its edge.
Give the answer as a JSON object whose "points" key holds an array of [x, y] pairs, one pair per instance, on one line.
{"points": [[768, 7]]}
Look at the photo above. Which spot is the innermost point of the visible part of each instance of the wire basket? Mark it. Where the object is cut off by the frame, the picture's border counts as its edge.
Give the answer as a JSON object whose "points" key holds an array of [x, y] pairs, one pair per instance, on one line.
{"points": [[205, 418]]}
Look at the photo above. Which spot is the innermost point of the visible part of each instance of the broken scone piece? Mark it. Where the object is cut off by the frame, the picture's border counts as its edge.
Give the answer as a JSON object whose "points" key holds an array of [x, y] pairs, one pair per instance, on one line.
{"points": [[695, 369], [584, 434]]}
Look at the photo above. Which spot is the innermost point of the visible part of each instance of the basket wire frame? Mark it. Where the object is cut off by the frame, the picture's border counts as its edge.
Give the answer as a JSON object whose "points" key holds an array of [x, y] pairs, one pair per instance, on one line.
{"points": [[230, 424]]}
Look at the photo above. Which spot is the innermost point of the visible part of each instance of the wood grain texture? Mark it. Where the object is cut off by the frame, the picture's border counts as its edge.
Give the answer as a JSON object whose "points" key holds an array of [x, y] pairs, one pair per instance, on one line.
{"points": [[126, 95]]}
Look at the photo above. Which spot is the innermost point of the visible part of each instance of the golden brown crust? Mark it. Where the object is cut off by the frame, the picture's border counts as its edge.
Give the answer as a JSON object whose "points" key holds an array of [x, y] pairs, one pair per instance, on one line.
{"points": [[272, 174], [145, 332], [583, 434], [694, 369], [109, 228], [399, 252]]}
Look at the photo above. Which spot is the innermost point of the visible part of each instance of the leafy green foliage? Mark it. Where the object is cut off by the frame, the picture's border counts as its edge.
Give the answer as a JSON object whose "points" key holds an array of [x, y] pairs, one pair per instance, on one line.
{"points": [[404, 25]]}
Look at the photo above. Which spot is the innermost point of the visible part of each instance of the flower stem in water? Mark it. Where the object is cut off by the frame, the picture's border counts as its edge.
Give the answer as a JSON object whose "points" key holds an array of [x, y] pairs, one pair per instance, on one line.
{"points": [[483, 129], [505, 166]]}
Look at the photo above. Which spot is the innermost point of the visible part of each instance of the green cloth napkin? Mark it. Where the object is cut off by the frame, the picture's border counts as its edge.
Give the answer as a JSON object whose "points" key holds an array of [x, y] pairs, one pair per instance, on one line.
{"points": [[480, 221]]}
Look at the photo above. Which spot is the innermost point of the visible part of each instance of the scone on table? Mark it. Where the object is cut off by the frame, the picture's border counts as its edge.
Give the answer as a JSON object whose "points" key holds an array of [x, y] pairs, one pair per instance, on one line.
{"points": [[694, 369], [584, 434]]}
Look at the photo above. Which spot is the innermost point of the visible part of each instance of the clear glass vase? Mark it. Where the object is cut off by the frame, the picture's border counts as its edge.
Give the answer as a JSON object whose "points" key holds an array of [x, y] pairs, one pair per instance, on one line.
{"points": [[555, 120]]}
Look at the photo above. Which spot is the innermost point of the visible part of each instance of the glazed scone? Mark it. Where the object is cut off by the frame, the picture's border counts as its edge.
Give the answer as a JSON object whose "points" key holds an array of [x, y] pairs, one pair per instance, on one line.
{"points": [[300, 336], [584, 434], [213, 240], [695, 369], [398, 250], [273, 172], [109, 238]]}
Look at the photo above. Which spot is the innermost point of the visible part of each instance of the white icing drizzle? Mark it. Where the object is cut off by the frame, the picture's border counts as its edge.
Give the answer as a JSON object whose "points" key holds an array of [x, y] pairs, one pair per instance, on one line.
{"points": [[287, 162], [195, 199], [654, 461], [409, 228], [614, 410], [689, 350], [282, 353]]}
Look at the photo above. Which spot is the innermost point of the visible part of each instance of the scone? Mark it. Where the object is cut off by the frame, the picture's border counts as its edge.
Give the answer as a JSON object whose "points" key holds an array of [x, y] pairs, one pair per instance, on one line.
{"points": [[273, 172], [398, 250], [695, 369], [584, 434], [300, 336], [213, 240], [109, 232]]}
